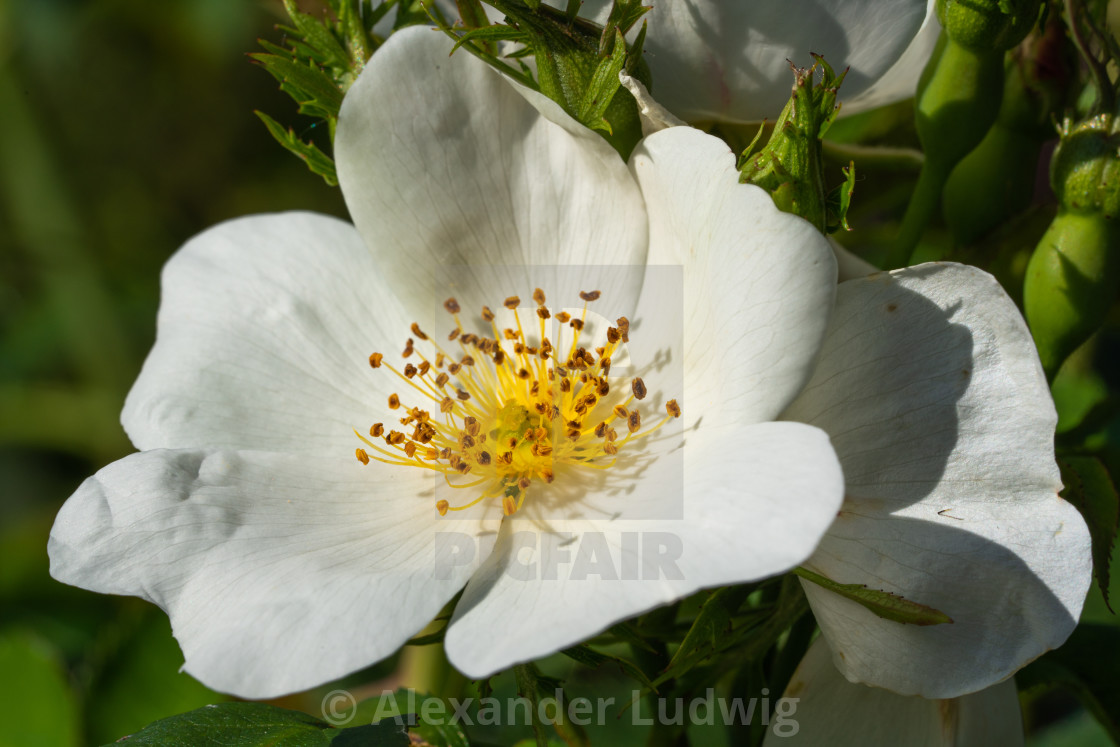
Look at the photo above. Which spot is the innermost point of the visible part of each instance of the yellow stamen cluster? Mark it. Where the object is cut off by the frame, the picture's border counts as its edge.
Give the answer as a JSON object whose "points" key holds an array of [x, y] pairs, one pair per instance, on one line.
{"points": [[504, 414]]}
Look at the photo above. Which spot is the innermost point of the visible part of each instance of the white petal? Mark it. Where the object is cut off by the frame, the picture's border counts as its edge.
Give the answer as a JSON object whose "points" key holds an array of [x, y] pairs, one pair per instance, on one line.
{"points": [[901, 81], [278, 573], [767, 490], [821, 707], [265, 329], [850, 265], [458, 179], [931, 390], [758, 283], [726, 60]]}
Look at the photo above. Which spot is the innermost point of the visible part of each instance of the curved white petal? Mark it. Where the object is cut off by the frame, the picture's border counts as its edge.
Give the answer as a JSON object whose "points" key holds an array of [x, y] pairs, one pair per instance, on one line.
{"points": [[278, 573], [930, 388], [727, 60], [458, 179], [265, 328], [849, 264], [768, 490], [758, 283], [821, 707], [901, 81]]}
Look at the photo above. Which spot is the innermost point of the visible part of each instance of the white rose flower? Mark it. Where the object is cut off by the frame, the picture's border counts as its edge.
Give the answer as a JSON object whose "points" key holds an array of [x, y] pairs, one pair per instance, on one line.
{"points": [[284, 562]]}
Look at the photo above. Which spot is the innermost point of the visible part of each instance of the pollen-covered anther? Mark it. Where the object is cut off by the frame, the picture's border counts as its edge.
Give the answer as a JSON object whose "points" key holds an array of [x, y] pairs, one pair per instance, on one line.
{"points": [[516, 410]]}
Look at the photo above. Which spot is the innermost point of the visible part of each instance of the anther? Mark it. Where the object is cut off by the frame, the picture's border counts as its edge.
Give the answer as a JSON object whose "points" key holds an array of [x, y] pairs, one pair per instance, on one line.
{"points": [[363, 457], [563, 317], [487, 314], [538, 296], [394, 402], [409, 371], [453, 334], [639, 388], [462, 395], [442, 507], [375, 360], [416, 331], [376, 430], [634, 422], [542, 312], [673, 408], [623, 328], [589, 295], [512, 302], [447, 405], [407, 349], [451, 305], [621, 412]]}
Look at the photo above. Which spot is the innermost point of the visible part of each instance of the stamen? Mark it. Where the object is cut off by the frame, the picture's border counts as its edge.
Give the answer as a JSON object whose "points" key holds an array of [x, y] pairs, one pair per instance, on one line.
{"points": [[514, 419]]}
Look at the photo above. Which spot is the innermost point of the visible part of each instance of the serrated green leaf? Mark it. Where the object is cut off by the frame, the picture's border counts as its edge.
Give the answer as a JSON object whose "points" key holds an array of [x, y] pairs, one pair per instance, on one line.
{"points": [[314, 90], [711, 624], [259, 725], [1090, 488], [883, 603], [591, 658], [317, 161], [603, 84], [318, 36], [1087, 664]]}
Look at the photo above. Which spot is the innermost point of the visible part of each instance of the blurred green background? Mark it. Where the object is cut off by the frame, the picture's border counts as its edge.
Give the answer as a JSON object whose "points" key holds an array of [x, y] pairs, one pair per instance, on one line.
{"points": [[127, 126]]}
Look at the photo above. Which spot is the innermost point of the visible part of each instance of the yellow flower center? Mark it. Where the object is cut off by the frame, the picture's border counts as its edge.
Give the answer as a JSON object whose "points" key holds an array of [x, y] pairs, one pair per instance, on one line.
{"points": [[504, 416]]}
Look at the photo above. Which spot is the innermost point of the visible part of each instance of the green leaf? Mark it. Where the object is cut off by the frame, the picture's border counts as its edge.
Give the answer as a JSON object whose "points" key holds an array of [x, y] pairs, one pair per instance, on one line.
{"points": [[315, 92], [883, 603], [601, 89], [318, 161], [409, 708], [40, 710], [1087, 664], [260, 725], [318, 37], [1090, 488], [591, 658], [711, 625]]}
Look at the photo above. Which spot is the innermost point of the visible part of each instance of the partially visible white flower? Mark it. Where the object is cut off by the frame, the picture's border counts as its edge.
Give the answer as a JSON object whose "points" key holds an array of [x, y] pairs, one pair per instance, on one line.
{"points": [[284, 562], [820, 707], [930, 388], [728, 60]]}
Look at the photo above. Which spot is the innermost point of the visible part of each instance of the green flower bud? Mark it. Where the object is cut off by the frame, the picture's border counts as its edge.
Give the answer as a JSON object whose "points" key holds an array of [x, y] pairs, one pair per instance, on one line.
{"points": [[996, 179], [790, 165], [958, 98], [987, 25], [1074, 274], [1085, 172]]}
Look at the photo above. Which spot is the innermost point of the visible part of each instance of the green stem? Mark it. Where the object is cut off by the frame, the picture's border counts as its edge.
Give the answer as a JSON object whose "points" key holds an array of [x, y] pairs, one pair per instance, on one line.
{"points": [[426, 669], [923, 204]]}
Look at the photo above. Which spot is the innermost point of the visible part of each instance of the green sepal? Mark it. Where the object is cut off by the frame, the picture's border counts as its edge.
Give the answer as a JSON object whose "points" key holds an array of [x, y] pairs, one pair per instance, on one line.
{"points": [[789, 166], [578, 64], [1090, 488], [883, 603], [840, 200], [317, 161], [314, 90], [260, 725]]}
